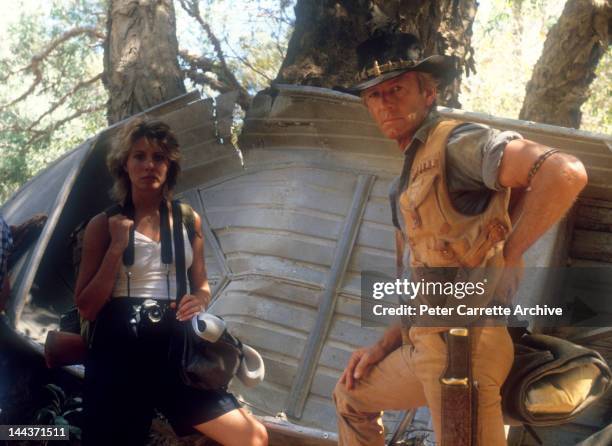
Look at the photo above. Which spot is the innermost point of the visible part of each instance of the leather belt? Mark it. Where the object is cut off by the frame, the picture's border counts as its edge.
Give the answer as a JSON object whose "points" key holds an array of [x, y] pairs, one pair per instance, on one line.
{"points": [[459, 392]]}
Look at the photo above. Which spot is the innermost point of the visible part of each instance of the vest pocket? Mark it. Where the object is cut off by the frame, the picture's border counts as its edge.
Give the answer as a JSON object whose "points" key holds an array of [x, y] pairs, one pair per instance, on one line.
{"points": [[414, 197], [491, 234]]}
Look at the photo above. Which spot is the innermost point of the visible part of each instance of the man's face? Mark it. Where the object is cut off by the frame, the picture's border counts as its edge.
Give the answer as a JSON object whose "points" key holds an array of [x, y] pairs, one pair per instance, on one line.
{"points": [[399, 106]]}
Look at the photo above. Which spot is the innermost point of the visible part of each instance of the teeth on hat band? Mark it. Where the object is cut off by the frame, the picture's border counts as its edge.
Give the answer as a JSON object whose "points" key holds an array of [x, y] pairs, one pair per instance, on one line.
{"points": [[377, 69]]}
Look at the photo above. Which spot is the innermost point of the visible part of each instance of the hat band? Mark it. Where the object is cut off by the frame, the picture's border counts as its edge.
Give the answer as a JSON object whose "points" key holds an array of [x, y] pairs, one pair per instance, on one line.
{"points": [[377, 69]]}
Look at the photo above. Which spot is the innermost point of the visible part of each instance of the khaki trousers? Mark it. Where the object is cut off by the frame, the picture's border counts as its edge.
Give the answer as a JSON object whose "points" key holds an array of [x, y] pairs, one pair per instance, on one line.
{"points": [[409, 378]]}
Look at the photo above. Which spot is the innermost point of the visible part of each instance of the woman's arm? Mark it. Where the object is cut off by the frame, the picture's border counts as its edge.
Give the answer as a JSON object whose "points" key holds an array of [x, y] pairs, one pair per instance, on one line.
{"points": [[192, 304], [103, 245]]}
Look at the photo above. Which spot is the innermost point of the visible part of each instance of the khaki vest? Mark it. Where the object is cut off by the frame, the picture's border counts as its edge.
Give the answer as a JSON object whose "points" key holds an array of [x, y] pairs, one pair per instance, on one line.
{"points": [[441, 236], [438, 234]]}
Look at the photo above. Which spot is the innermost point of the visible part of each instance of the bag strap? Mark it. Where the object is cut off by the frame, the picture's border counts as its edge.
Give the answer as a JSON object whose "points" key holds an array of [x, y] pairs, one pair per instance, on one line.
{"points": [[188, 220], [165, 235], [179, 250]]}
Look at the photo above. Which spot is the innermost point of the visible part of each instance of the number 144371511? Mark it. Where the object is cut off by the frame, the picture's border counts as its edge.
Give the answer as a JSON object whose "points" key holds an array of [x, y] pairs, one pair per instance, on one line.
{"points": [[33, 432]]}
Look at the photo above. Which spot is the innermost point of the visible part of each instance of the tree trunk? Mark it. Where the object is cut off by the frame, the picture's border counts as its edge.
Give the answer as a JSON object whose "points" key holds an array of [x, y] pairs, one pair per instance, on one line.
{"points": [[566, 68], [321, 51], [140, 56]]}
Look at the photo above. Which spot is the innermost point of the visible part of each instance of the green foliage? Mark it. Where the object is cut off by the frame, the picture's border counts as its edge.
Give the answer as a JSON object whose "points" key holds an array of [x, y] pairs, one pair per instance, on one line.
{"points": [[508, 40], [59, 410], [37, 129], [40, 91]]}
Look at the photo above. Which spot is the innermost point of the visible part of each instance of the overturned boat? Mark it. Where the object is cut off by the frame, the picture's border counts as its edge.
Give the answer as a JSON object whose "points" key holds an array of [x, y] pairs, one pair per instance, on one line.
{"points": [[291, 219]]}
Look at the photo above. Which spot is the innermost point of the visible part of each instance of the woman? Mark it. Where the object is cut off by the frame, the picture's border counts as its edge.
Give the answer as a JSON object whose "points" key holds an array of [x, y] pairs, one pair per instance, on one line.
{"points": [[128, 373]]}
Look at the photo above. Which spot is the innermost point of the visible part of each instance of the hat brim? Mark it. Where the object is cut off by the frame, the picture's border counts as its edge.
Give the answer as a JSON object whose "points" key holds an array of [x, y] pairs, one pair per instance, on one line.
{"points": [[442, 68]]}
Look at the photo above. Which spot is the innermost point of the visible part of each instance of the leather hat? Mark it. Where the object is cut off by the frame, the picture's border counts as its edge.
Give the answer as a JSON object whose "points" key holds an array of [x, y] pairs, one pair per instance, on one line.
{"points": [[388, 54]]}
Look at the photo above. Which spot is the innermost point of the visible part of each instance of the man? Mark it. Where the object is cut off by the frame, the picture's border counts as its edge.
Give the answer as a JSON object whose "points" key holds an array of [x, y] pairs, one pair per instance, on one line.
{"points": [[450, 208], [6, 243]]}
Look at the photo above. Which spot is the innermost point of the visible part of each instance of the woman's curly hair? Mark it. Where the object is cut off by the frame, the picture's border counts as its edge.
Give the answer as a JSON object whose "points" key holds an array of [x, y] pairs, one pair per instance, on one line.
{"points": [[157, 133]]}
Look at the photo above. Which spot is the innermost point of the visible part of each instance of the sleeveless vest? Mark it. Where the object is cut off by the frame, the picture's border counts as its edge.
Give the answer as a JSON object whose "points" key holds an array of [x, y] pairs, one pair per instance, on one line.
{"points": [[441, 238], [437, 233]]}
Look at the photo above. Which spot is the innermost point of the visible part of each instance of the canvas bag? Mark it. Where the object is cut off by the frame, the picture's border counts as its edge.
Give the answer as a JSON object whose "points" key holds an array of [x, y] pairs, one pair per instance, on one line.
{"points": [[203, 365]]}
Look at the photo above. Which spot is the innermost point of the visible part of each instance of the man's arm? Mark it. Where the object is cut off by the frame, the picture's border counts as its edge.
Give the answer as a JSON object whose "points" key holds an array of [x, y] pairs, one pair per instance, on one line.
{"points": [[553, 190]]}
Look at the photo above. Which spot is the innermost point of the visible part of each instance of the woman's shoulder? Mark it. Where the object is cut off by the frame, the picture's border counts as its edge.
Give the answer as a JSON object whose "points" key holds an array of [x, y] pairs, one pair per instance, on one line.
{"points": [[97, 226]]}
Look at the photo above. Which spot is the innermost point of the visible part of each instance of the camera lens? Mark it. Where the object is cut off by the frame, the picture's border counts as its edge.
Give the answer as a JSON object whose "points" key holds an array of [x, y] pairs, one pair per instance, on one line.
{"points": [[152, 310], [155, 314]]}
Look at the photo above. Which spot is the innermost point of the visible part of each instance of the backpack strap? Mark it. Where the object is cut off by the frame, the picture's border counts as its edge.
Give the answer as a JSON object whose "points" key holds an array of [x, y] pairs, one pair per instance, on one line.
{"points": [[112, 210]]}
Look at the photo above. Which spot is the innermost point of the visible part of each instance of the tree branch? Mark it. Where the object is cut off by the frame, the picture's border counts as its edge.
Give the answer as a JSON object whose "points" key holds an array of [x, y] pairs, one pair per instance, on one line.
{"points": [[63, 99], [198, 67], [192, 8], [201, 62], [37, 80], [246, 63], [202, 79], [196, 72], [37, 60], [39, 134]]}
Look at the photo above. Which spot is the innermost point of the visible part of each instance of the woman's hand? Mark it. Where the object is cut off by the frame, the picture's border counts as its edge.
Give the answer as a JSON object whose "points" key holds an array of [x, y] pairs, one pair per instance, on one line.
{"points": [[190, 306], [119, 229]]}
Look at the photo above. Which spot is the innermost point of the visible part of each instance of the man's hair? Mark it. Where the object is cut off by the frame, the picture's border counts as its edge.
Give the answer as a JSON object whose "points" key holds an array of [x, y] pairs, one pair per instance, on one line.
{"points": [[427, 81], [157, 133]]}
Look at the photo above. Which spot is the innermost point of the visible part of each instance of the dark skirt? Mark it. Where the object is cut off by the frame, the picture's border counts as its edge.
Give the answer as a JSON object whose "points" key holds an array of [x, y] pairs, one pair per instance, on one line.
{"points": [[132, 370]]}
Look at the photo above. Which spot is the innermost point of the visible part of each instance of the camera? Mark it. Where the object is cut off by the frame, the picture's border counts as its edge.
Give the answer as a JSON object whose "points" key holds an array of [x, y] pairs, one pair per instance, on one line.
{"points": [[151, 311], [147, 317]]}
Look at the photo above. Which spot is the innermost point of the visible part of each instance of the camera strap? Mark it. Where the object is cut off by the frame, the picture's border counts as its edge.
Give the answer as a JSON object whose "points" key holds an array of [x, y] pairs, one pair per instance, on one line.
{"points": [[166, 242], [165, 239], [128, 253]]}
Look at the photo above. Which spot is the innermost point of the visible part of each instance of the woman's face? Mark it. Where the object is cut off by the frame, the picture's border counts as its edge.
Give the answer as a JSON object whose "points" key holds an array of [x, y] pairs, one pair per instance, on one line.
{"points": [[147, 166]]}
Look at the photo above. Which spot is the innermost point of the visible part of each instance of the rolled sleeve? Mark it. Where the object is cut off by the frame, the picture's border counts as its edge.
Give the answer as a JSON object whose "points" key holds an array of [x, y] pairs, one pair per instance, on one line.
{"points": [[492, 154], [474, 153]]}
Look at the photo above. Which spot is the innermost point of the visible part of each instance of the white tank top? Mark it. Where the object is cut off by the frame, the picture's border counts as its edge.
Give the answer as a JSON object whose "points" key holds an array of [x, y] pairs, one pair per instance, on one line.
{"points": [[148, 279]]}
